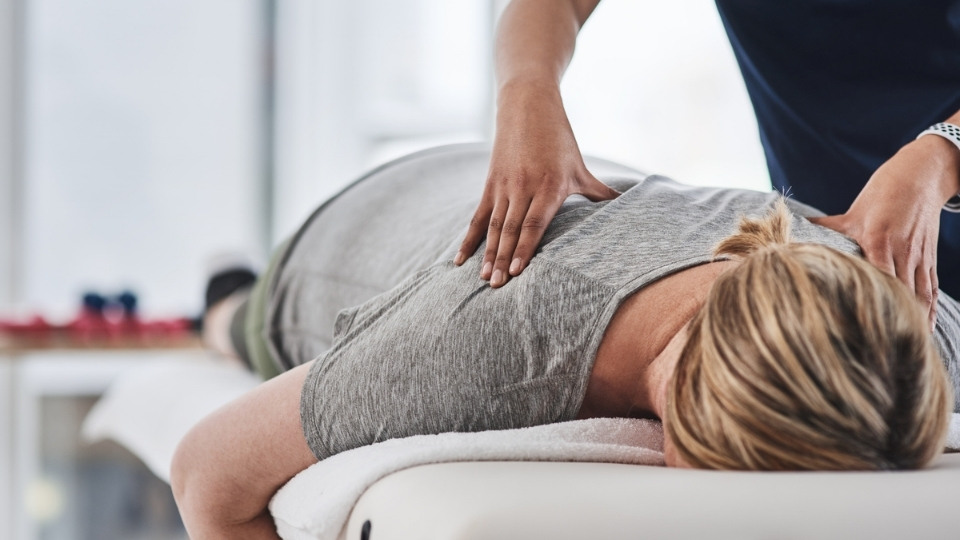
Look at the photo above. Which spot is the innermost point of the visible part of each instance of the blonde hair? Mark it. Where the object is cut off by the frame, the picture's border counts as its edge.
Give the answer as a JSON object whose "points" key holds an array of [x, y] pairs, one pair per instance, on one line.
{"points": [[804, 357]]}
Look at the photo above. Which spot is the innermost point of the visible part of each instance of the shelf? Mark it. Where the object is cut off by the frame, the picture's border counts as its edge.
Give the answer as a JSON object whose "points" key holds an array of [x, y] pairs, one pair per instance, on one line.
{"points": [[60, 341]]}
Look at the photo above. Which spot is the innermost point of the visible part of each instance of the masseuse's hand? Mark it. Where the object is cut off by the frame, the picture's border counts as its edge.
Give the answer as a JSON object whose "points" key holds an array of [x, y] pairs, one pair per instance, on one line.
{"points": [[534, 166], [896, 218]]}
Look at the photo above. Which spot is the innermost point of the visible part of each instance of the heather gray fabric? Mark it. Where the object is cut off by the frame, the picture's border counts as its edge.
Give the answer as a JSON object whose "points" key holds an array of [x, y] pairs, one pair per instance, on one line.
{"points": [[429, 347]]}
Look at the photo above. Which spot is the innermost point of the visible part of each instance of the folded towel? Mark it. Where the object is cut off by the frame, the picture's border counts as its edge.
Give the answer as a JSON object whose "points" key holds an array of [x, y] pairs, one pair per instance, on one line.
{"points": [[317, 502]]}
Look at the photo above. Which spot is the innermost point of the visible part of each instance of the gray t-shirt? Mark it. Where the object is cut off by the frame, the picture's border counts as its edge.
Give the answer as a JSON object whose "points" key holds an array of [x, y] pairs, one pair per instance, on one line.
{"points": [[438, 350]]}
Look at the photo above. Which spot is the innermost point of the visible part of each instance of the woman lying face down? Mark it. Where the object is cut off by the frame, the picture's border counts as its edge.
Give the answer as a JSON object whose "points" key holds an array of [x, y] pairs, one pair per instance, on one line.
{"points": [[804, 357], [757, 352]]}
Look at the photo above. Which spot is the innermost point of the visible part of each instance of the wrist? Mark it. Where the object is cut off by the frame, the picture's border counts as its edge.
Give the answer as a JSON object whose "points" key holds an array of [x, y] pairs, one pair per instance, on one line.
{"points": [[945, 154], [529, 103], [525, 89]]}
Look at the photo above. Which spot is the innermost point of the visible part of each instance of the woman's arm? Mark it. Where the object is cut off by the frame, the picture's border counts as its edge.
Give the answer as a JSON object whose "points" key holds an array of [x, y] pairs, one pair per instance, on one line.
{"points": [[896, 218], [227, 468], [535, 163]]}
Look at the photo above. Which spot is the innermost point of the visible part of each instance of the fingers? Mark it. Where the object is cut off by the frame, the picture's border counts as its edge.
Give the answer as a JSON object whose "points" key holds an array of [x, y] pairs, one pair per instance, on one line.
{"points": [[935, 294], [596, 190], [513, 239], [822, 221], [918, 271], [926, 293], [476, 231], [895, 219], [514, 220], [513, 229], [906, 271], [539, 215], [501, 256], [521, 229], [835, 222], [495, 227]]}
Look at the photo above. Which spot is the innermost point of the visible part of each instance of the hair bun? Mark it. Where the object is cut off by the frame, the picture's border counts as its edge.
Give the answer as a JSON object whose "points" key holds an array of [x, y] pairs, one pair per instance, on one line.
{"points": [[755, 234]]}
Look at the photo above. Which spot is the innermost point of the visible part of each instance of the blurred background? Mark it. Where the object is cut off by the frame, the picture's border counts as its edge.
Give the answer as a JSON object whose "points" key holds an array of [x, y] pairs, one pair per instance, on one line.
{"points": [[140, 138]]}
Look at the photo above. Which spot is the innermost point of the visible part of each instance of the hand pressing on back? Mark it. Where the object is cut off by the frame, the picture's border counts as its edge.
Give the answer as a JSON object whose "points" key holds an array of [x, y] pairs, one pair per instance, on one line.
{"points": [[534, 167], [896, 218]]}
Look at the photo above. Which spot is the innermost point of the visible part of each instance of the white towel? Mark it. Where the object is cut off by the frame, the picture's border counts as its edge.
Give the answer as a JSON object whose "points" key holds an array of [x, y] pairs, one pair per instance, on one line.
{"points": [[317, 502], [149, 409], [953, 434]]}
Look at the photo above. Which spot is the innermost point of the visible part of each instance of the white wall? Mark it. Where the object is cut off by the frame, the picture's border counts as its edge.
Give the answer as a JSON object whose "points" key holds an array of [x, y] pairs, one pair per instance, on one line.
{"points": [[8, 82], [317, 146], [9, 501], [9, 34], [655, 85], [143, 150], [364, 81]]}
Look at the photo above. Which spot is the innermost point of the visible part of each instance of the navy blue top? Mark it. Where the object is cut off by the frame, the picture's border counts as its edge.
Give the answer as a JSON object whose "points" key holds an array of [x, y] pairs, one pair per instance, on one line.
{"points": [[839, 86]]}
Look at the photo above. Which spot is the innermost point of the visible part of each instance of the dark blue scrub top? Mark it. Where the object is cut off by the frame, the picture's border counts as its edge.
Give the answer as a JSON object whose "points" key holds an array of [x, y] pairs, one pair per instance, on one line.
{"points": [[839, 86]]}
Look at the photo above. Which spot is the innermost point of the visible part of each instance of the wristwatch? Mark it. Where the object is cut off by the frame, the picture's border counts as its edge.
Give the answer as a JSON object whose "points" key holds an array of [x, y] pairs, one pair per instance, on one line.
{"points": [[951, 133]]}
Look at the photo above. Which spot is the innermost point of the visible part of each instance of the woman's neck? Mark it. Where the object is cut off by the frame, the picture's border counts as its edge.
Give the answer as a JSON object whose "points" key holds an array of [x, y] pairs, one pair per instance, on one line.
{"points": [[643, 342]]}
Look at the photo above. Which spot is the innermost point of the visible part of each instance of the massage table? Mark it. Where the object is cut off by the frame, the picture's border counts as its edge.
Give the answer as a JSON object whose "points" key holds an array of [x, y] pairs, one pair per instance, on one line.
{"points": [[151, 407], [524, 500]]}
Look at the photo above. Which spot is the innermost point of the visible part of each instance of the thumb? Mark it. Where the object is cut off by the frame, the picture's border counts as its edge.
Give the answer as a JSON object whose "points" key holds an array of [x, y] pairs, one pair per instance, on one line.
{"points": [[831, 222], [596, 190]]}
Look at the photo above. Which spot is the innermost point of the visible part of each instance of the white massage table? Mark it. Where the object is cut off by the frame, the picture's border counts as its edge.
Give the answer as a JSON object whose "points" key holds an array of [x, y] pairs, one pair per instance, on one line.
{"points": [[526, 500], [149, 409]]}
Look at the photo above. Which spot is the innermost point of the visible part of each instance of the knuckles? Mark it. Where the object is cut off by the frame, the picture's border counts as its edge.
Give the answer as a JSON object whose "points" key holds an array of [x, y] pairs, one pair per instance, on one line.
{"points": [[502, 260], [534, 223], [512, 227], [478, 222], [926, 297]]}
